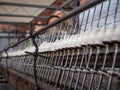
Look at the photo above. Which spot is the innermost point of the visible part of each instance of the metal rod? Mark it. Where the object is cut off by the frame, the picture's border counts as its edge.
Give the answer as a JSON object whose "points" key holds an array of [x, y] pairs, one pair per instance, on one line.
{"points": [[70, 65], [80, 67], [38, 67], [44, 68], [103, 66], [65, 65], [81, 21], [97, 55], [75, 64], [10, 37], [54, 64], [106, 51], [87, 61], [107, 12], [7, 63], [35, 55], [40, 60], [54, 69], [47, 68], [28, 5], [61, 7], [94, 68], [87, 67], [50, 64], [58, 59], [59, 70], [43, 60], [66, 3], [24, 65], [22, 16], [52, 57], [107, 46], [20, 23], [100, 14], [113, 66], [40, 70], [87, 20], [47, 62]]}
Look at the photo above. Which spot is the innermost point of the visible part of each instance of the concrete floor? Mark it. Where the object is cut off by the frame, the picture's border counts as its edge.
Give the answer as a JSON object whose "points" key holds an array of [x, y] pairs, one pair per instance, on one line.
{"points": [[5, 86]]}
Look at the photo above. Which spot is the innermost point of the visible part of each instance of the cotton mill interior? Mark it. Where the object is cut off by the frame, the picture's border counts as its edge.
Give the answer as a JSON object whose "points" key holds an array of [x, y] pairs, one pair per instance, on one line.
{"points": [[59, 44]]}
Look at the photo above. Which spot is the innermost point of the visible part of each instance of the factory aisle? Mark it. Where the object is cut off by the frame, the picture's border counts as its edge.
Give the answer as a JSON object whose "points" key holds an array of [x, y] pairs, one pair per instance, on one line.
{"points": [[5, 86]]}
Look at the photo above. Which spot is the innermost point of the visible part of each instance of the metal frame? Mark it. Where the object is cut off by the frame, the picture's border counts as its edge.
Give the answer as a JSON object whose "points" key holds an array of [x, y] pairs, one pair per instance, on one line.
{"points": [[36, 6], [22, 16], [10, 37], [72, 13], [90, 72], [66, 3], [62, 6], [29, 16], [23, 23], [28, 5]]}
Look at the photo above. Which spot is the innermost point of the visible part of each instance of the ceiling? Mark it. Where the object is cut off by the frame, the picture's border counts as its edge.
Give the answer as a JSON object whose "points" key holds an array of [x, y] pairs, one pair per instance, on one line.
{"points": [[17, 14], [22, 10]]}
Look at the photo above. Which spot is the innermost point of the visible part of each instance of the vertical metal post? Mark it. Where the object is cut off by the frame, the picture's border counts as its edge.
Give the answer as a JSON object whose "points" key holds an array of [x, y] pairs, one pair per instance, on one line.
{"points": [[46, 60], [40, 67], [113, 66], [52, 56], [7, 63], [97, 55], [65, 65], [52, 69], [35, 58], [80, 67], [116, 45], [75, 64], [68, 71], [59, 65]]}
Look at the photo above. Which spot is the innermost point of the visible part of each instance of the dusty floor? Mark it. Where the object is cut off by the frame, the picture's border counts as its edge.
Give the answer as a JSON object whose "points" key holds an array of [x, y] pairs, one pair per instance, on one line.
{"points": [[5, 86]]}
